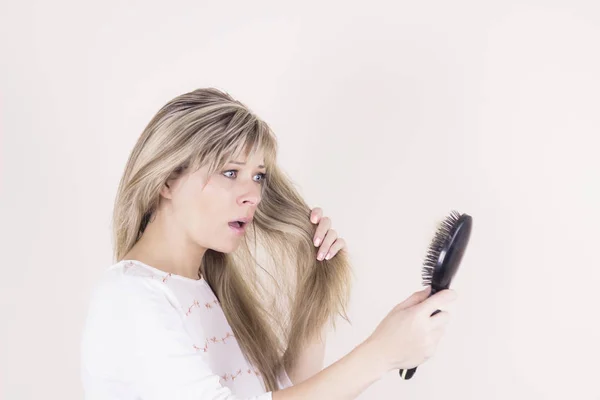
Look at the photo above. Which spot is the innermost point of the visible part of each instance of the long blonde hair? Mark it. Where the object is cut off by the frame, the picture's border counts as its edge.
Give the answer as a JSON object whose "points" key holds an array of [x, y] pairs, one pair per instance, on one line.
{"points": [[273, 306]]}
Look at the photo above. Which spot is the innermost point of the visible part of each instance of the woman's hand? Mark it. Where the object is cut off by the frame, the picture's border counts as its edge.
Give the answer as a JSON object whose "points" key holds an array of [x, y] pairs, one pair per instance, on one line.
{"points": [[325, 237], [409, 335]]}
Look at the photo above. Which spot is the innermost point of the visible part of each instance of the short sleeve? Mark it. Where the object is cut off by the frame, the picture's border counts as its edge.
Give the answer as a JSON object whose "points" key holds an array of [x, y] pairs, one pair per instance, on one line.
{"points": [[160, 355]]}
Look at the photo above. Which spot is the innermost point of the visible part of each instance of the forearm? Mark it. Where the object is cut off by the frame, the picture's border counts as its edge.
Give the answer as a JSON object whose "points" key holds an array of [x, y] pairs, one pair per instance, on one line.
{"points": [[310, 360], [343, 380]]}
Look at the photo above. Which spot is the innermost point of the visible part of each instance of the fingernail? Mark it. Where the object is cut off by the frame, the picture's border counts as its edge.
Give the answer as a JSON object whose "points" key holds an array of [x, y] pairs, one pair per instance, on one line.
{"points": [[317, 241], [328, 256], [320, 257]]}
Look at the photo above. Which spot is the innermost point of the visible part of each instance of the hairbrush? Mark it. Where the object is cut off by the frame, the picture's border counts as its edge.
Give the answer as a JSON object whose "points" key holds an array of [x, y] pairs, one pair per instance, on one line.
{"points": [[443, 258]]}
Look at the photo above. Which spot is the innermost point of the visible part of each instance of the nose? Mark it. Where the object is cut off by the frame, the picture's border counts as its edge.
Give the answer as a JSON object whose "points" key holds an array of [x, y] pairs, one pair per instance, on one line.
{"points": [[250, 200], [251, 195]]}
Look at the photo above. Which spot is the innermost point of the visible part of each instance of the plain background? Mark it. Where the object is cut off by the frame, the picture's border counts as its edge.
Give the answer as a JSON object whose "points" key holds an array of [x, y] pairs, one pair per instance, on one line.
{"points": [[389, 115]]}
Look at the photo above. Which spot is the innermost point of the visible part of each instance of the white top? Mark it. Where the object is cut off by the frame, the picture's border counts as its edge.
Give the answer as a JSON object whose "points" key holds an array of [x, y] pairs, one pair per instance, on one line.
{"points": [[153, 335]]}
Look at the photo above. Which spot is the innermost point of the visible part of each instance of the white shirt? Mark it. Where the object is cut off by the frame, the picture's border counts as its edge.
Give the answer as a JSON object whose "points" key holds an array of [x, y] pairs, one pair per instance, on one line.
{"points": [[153, 335]]}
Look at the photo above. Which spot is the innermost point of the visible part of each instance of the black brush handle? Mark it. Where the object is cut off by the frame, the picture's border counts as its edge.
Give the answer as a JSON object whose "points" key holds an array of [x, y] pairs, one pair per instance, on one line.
{"points": [[406, 374]]}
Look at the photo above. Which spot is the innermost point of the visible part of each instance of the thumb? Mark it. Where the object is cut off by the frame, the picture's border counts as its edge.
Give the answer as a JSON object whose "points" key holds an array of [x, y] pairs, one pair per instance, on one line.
{"points": [[415, 298]]}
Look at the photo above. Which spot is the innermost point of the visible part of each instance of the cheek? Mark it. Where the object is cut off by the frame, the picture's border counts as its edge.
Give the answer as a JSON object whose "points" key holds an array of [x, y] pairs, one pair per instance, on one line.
{"points": [[187, 205], [204, 210]]}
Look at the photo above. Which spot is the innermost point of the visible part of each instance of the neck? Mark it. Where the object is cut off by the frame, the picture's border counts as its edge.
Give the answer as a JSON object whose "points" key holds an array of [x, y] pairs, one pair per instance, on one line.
{"points": [[164, 247]]}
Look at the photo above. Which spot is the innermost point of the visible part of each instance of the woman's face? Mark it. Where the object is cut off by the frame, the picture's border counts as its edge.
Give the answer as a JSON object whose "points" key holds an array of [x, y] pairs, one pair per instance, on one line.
{"points": [[206, 211]]}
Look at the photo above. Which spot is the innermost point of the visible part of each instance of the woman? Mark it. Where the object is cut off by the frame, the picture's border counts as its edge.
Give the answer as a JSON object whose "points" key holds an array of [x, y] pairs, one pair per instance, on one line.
{"points": [[187, 311]]}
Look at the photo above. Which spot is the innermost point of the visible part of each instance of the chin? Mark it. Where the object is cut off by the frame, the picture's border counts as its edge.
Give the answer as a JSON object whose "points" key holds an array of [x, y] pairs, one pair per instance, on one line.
{"points": [[228, 248]]}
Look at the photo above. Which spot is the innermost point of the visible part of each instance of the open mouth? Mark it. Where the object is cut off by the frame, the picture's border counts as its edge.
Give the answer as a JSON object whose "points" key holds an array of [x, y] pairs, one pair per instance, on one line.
{"points": [[237, 224]]}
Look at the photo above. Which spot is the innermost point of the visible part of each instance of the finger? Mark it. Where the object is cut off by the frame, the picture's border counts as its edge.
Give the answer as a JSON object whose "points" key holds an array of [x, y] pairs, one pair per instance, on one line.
{"points": [[339, 244], [324, 225], [439, 301], [439, 320], [330, 237], [451, 307], [316, 214], [415, 298]]}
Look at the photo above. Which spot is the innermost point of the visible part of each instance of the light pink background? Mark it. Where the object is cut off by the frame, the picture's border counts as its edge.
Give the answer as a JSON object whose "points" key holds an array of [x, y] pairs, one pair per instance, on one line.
{"points": [[388, 115]]}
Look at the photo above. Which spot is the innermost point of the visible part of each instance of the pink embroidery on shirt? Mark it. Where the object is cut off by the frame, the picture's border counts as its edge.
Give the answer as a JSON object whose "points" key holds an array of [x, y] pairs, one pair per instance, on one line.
{"points": [[214, 340], [204, 349], [195, 304], [227, 336], [167, 277], [209, 305], [237, 374]]}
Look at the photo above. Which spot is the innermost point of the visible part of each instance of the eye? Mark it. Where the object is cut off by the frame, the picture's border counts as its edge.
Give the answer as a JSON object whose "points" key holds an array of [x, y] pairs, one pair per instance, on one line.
{"points": [[263, 176]]}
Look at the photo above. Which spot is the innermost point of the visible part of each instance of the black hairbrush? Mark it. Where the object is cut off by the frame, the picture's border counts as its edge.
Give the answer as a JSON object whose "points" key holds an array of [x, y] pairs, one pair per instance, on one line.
{"points": [[443, 258]]}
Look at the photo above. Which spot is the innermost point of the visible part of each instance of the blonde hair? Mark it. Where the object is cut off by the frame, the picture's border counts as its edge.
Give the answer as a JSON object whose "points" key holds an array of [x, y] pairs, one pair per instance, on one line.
{"points": [[272, 310]]}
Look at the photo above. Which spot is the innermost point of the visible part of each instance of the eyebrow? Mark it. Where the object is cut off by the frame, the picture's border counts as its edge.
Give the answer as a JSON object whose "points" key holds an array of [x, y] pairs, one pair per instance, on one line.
{"points": [[241, 163]]}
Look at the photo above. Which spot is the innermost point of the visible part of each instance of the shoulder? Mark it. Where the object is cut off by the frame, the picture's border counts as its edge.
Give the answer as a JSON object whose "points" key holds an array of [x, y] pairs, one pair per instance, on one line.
{"points": [[126, 288], [127, 306], [124, 299]]}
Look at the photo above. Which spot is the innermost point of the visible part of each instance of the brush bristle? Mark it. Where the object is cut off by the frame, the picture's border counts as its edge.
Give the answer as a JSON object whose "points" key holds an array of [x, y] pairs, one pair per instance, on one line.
{"points": [[442, 236]]}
